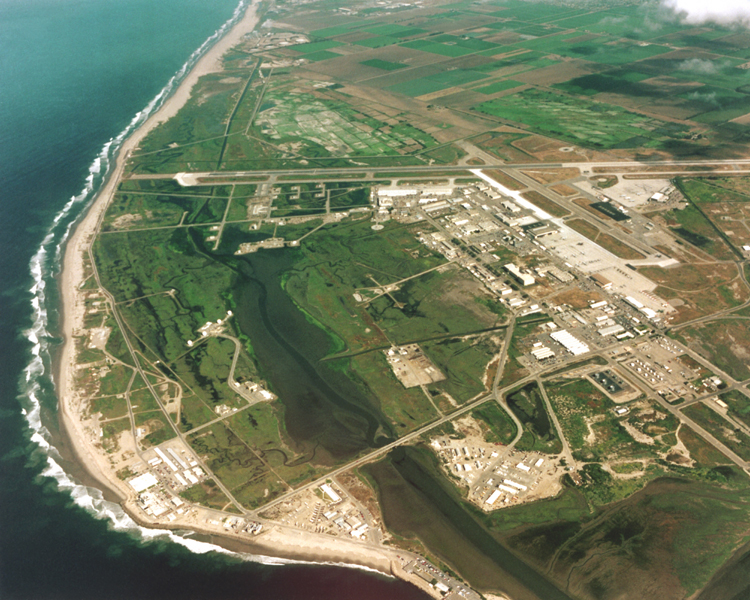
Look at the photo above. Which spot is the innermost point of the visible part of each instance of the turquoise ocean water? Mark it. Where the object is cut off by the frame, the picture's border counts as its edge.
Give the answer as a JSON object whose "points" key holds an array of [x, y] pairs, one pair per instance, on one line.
{"points": [[75, 77]]}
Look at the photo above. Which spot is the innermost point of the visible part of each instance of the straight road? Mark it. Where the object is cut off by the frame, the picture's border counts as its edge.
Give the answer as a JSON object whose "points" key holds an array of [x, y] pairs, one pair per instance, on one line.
{"points": [[496, 394], [437, 168]]}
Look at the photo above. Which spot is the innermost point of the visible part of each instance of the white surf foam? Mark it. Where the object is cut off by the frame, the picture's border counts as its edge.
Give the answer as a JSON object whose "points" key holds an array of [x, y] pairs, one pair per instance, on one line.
{"points": [[43, 266]]}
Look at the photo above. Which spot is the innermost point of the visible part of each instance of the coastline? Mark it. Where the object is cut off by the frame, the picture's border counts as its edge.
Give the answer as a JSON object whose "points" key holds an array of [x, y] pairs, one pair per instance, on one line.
{"points": [[72, 274], [277, 541]]}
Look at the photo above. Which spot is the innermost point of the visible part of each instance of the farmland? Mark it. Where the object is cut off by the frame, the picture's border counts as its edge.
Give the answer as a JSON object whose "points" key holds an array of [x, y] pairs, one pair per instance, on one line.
{"points": [[266, 297], [366, 84]]}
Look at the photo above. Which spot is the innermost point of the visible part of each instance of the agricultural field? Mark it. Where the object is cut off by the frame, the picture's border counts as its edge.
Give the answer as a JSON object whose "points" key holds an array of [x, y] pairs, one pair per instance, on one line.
{"points": [[365, 84], [270, 275], [577, 121], [327, 128]]}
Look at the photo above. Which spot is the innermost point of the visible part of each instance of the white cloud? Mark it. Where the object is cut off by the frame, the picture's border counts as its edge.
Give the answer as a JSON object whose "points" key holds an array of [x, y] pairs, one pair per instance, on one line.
{"points": [[697, 65], [726, 12], [708, 98]]}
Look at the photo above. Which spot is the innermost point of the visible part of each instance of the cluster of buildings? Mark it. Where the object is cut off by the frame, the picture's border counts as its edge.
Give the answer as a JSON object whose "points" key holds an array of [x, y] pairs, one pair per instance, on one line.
{"points": [[438, 580], [273, 39], [344, 515], [175, 466], [663, 366], [327, 509], [171, 469], [241, 525], [495, 476], [577, 332], [475, 224], [411, 366]]}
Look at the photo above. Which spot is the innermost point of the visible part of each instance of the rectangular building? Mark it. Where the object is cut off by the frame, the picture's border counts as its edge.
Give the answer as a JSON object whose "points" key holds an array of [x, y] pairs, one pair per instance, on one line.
{"points": [[601, 281], [523, 278], [569, 342]]}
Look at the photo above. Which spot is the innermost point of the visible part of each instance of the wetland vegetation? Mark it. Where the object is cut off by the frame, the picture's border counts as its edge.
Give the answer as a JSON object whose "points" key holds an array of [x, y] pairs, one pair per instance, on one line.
{"points": [[312, 318]]}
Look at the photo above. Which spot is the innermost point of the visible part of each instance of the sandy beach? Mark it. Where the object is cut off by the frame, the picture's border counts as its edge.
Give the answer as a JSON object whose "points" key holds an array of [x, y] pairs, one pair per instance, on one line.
{"points": [[73, 270], [276, 540]]}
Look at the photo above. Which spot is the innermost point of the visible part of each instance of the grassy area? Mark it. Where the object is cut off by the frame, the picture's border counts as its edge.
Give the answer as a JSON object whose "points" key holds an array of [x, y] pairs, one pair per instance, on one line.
{"points": [[723, 343], [497, 425], [505, 179], [110, 407], [262, 428], [498, 86], [716, 425], [385, 65], [547, 205], [299, 118], [157, 425], [227, 456], [589, 124], [739, 405], [693, 226], [406, 408], [539, 432], [703, 288], [593, 430], [207, 493], [464, 363], [303, 332], [700, 450], [606, 241], [260, 490]]}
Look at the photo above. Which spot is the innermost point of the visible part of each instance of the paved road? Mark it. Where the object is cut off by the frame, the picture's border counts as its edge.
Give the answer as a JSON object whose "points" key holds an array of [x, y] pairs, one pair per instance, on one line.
{"points": [[566, 452], [495, 394], [582, 213], [136, 361], [415, 434], [437, 168], [676, 410]]}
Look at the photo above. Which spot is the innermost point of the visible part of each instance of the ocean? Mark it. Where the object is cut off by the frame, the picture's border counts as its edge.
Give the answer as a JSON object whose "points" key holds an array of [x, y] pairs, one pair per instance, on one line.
{"points": [[75, 77]]}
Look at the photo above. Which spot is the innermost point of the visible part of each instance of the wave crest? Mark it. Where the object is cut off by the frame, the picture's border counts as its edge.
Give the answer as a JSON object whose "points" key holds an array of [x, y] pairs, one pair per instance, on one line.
{"points": [[37, 380]]}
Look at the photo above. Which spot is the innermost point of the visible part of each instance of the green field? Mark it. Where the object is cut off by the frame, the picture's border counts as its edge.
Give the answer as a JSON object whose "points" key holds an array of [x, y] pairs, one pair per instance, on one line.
{"points": [[574, 120], [716, 425], [498, 86], [310, 321], [739, 405], [385, 65], [464, 364], [498, 427], [539, 432]]}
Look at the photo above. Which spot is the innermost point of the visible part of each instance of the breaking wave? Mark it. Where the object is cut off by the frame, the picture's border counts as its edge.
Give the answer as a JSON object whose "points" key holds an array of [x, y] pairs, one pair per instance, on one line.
{"points": [[37, 382]]}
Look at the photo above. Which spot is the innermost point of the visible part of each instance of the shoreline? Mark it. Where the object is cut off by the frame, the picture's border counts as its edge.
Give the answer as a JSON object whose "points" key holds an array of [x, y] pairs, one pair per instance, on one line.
{"points": [[72, 273], [277, 541]]}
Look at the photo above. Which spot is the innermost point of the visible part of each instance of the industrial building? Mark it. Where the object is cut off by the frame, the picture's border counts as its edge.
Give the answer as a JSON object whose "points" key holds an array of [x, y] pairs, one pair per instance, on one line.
{"points": [[601, 281], [541, 230], [571, 343], [524, 278]]}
